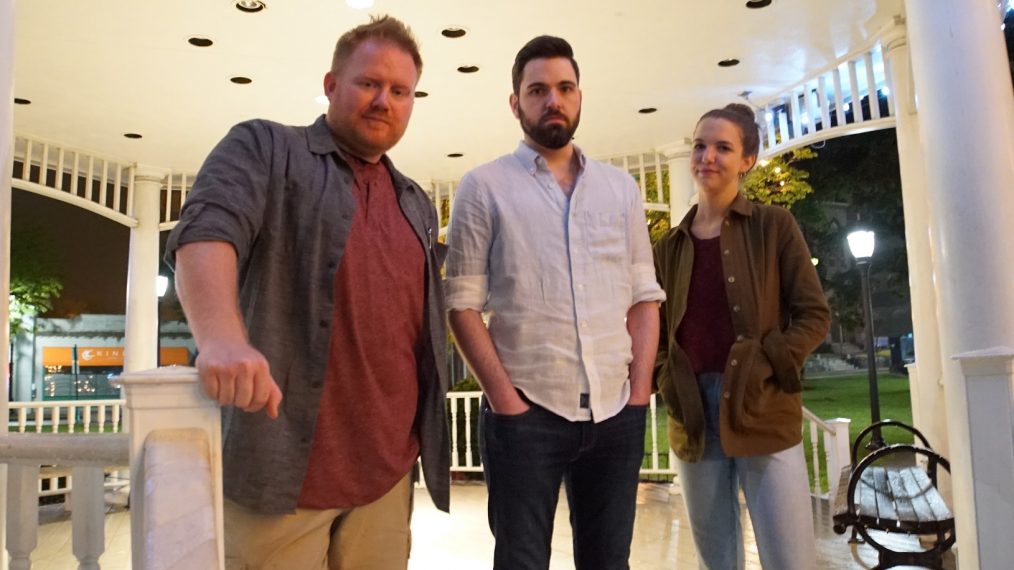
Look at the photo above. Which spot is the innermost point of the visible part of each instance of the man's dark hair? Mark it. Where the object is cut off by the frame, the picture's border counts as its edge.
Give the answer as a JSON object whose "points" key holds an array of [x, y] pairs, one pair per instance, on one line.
{"points": [[382, 28], [542, 47]]}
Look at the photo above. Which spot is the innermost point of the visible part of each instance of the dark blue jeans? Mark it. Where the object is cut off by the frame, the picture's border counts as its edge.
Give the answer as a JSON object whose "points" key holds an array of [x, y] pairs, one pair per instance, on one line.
{"points": [[525, 459]]}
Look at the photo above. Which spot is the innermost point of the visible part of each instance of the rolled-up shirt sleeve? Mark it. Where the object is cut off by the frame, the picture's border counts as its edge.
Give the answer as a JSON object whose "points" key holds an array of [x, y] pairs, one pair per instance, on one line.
{"points": [[228, 197], [645, 287], [469, 237]]}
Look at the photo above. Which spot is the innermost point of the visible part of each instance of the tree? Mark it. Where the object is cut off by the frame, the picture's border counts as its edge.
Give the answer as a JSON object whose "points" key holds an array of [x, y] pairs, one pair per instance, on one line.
{"points": [[778, 180], [35, 280], [856, 181]]}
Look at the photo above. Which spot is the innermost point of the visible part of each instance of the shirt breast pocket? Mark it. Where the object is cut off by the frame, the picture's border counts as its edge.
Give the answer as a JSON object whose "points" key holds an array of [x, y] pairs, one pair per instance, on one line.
{"points": [[605, 236]]}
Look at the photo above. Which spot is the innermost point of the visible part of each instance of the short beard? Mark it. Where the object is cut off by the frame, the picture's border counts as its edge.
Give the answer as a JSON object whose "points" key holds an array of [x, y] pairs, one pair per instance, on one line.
{"points": [[553, 136]]}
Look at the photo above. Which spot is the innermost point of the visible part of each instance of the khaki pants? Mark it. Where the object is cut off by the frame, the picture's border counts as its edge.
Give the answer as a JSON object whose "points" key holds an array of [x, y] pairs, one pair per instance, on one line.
{"points": [[371, 537]]}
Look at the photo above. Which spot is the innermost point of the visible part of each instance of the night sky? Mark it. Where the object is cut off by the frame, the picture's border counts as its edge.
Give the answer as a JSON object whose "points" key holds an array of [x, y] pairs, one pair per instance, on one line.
{"points": [[91, 251]]}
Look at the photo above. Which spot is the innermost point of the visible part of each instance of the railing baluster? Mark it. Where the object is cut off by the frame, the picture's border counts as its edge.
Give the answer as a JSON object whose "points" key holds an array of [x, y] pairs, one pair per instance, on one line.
{"points": [[871, 86], [44, 165], [653, 418], [796, 126], [87, 522], [101, 419], [857, 98], [104, 181], [59, 169], [769, 120], [839, 97], [468, 432], [75, 171], [824, 103], [39, 419], [71, 418], [810, 112], [90, 180], [22, 514], [814, 448], [642, 181], [116, 418], [86, 418], [118, 189], [22, 419], [454, 432], [168, 198]]}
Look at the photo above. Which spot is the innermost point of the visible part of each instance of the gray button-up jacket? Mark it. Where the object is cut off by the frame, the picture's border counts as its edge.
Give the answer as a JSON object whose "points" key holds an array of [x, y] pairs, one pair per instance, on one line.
{"points": [[282, 196]]}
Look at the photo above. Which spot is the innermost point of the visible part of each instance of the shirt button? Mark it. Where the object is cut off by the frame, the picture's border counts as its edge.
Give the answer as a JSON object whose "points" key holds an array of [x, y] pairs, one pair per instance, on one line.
{"points": [[733, 362], [732, 279], [580, 287], [726, 252], [323, 323], [735, 308], [740, 337], [726, 395], [726, 222], [316, 384], [584, 324]]}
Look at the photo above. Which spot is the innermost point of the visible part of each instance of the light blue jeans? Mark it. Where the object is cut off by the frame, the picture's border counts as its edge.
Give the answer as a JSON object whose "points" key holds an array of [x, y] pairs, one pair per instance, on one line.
{"points": [[777, 498]]}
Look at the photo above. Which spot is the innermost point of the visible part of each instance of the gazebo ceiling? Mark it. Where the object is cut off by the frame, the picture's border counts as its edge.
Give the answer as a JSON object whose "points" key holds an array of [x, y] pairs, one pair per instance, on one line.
{"points": [[95, 71]]}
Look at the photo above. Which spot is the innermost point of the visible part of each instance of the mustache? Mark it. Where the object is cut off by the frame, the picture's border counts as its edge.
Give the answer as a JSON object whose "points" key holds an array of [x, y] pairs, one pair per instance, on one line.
{"points": [[554, 115]]}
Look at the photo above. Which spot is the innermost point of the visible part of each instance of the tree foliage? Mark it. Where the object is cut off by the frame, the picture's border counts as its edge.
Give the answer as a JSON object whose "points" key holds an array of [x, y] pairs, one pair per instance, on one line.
{"points": [[856, 182], [779, 180], [35, 280]]}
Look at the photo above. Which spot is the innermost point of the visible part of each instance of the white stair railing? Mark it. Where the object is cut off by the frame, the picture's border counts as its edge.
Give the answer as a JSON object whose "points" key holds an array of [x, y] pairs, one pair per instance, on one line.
{"points": [[831, 436]]}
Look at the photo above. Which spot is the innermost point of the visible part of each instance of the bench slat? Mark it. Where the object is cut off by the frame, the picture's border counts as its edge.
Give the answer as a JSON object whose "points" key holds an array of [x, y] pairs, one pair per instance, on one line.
{"points": [[928, 503], [866, 501], [907, 511], [885, 498]]}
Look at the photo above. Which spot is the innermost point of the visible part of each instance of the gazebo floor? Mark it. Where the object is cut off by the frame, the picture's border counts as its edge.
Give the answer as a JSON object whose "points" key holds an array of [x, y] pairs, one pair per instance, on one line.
{"points": [[462, 540]]}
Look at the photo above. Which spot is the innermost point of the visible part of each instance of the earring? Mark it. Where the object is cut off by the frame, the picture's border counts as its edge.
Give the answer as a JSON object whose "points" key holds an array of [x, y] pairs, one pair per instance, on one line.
{"points": [[742, 175]]}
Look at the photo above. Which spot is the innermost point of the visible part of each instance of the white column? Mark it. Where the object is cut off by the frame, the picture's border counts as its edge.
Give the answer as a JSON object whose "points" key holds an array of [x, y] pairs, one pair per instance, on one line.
{"points": [[681, 182], [966, 111], [6, 162], [925, 379], [142, 270], [988, 379]]}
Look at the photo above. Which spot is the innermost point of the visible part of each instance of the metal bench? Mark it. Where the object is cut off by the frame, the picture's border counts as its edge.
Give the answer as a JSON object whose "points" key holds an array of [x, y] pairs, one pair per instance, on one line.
{"points": [[880, 494]]}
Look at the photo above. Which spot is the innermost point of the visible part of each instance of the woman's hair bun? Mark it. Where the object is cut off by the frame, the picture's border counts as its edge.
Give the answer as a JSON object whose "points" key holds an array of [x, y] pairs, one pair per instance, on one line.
{"points": [[741, 110]]}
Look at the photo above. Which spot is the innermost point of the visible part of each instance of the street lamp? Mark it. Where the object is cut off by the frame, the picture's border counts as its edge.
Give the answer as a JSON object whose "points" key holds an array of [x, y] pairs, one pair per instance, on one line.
{"points": [[161, 286], [861, 244]]}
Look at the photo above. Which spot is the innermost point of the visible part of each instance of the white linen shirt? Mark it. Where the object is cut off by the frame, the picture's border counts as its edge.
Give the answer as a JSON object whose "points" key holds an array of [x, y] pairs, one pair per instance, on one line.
{"points": [[555, 276]]}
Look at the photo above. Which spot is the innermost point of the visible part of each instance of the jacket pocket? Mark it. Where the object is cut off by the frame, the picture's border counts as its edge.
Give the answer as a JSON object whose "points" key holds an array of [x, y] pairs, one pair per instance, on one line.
{"points": [[786, 373]]}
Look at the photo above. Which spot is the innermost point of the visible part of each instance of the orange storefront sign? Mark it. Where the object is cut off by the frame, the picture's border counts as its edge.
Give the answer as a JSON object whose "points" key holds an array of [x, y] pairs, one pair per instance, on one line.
{"points": [[106, 355]]}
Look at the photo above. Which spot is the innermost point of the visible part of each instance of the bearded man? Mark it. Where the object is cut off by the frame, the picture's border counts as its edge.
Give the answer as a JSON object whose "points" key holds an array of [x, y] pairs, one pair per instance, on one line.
{"points": [[554, 248]]}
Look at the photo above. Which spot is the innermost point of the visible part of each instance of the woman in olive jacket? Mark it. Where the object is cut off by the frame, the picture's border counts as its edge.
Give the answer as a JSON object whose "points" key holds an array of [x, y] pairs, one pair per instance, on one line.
{"points": [[743, 309]]}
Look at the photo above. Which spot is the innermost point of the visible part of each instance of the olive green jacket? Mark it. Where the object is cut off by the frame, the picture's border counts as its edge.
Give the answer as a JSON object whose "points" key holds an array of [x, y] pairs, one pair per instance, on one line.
{"points": [[779, 315]]}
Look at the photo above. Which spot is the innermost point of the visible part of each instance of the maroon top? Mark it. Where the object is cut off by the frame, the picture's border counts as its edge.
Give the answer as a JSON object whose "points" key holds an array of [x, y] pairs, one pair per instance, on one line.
{"points": [[706, 332], [365, 439]]}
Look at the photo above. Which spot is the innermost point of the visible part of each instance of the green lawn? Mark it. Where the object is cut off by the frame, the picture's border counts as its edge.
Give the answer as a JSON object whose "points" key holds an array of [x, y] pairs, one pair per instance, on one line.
{"points": [[838, 397]]}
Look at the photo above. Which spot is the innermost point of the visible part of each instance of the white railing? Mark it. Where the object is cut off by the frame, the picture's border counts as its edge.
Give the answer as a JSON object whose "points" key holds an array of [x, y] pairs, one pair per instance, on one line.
{"points": [[99, 184], [172, 447], [70, 416], [829, 451], [175, 187], [87, 456], [463, 415], [850, 96]]}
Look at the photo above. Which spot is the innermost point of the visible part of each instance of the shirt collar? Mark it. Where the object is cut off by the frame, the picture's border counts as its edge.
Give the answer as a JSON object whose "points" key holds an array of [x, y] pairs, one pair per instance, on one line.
{"points": [[740, 205], [532, 161], [319, 137]]}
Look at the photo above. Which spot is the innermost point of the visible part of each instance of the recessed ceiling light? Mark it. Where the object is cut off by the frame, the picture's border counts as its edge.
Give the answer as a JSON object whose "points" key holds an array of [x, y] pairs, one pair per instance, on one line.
{"points": [[728, 62], [200, 42], [132, 135], [455, 155], [239, 80], [647, 110], [421, 94], [20, 101], [322, 100], [250, 6], [453, 32], [359, 4], [758, 3], [468, 69]]}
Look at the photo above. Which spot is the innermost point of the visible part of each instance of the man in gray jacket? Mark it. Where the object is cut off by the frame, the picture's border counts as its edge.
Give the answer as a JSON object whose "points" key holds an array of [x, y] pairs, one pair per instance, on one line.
{"points": [[309, 272]]}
